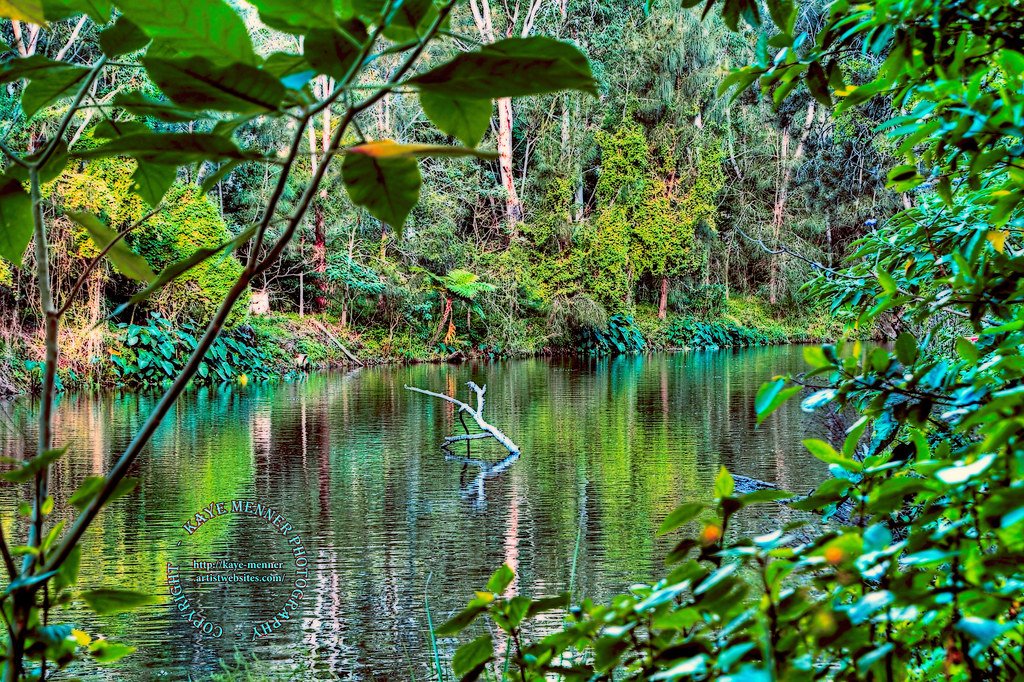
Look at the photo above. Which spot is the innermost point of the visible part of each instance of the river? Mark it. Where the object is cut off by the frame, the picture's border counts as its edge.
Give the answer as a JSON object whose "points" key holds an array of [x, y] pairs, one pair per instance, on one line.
{"points": [[380, 522]]}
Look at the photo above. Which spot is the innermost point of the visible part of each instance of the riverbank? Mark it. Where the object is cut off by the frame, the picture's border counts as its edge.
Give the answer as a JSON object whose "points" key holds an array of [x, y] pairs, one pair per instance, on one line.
{"points": [[151, 350]]}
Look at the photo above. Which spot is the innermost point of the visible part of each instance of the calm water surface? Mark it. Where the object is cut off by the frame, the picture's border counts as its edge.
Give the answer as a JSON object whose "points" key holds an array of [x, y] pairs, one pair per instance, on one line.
{"points": [[386, 522]]}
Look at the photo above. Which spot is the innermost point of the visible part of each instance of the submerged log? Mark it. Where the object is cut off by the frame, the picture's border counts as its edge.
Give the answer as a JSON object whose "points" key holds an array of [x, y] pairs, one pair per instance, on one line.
{"points": [[476, 413]]}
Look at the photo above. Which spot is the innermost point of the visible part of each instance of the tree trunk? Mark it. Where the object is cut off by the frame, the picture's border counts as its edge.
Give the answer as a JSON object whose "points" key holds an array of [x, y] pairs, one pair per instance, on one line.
{"points": [[320, 256], [663, 300], [513, 207], [781, 194]]}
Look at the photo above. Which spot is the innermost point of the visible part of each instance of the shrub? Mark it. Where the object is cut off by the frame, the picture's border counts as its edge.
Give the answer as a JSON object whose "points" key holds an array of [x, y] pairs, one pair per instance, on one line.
{"points": [[155, 353]]}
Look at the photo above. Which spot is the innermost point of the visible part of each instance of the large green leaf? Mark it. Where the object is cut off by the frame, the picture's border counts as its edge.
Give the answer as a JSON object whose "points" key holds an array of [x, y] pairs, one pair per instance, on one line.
{"points": [[410, 19], [98, 10], [91, 487], [472, 656], [464, 119], [23, 10], [197, 83], [124, 259], [293, 70], [383, 176], [513, 67], [15, 219], [387, 186], [331, 51], [296, 17], [177, 149], [205, 28], [123, 37], [27, 67], [47, 87]]}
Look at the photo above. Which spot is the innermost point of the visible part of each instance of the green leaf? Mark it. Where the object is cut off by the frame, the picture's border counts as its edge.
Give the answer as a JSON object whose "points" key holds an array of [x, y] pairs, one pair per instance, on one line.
{"points": [[91, 487], [55, 84], [961, 473], [139, 105], [982, 631], [817, 81], [105, 651], [472, 656], [332, 51], [16, 224], [466, 120], [296, 17], [67, 574], [204, 28], [501, 579], [815, 357], [410, 19], [462, 619], [886, 281], [152, 180], [770, 396], [106, 601], [387, 186], [27, 67], [23, 10], [680, 516], [32, 466], [547, 604], [198, 83], [724, 484], [906, 348], [176, 149], [127, 262], [826, 453], [763, 496], [513, 67], [98, 10], [123, 37]]}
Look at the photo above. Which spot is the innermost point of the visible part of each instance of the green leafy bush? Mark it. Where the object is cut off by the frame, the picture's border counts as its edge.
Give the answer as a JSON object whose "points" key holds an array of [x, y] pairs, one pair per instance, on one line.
{"points": [[688, 332], [155, 353], [620, 336]]}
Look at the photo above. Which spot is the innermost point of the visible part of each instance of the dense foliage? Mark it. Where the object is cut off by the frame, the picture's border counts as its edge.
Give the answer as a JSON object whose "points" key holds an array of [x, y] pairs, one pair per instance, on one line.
{"points": [[915, 569], [617, 204]]}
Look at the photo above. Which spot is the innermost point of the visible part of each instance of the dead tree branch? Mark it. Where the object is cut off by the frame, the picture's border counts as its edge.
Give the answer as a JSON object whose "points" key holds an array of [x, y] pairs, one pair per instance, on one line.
{"points": [[476, 414]]}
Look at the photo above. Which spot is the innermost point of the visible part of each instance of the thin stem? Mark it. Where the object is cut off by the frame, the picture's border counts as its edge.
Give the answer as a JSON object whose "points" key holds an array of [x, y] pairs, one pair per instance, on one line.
{"points": [[10, 154], [45, 438]]}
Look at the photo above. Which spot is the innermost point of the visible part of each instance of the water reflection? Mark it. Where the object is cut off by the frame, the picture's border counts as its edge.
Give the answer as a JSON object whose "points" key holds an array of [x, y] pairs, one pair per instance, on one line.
{"points": [[611, 446], [473, 489]]}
